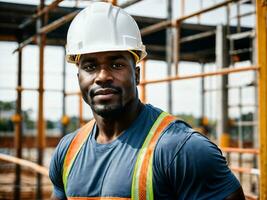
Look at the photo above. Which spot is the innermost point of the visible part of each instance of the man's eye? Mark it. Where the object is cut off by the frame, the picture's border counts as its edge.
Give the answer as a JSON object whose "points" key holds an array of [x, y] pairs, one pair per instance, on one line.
{"points": [[117, 66], [89, 67]]}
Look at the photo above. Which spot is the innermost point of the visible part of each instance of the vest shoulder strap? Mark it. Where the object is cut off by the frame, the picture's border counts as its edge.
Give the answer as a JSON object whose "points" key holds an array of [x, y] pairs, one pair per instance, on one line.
{"points": [[142, 184], [74, 148]]}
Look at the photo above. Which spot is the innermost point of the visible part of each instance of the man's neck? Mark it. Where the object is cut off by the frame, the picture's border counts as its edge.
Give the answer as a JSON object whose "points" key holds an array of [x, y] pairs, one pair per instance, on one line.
{"points": [[110, 128]]}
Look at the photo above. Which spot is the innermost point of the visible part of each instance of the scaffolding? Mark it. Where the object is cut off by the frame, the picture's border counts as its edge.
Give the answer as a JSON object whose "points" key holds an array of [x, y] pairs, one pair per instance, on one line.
{"points": [[225, 55]]}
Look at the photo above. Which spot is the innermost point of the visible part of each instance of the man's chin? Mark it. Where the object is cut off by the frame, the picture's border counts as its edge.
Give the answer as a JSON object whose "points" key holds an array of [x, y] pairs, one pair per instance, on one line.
{"points": [[108, 111]]}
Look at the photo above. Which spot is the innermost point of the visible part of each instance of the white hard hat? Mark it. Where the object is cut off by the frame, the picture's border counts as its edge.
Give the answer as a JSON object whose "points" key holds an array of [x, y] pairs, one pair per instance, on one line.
{"points": [[103, 27]]}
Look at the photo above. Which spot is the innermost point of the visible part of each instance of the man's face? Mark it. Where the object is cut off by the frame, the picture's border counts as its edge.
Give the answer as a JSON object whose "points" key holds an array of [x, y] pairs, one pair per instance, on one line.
{"points": [[108, 81]]}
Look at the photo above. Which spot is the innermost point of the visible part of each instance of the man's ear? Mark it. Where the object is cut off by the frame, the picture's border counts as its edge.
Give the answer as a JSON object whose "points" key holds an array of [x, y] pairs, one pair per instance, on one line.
{"points": [[137, 75]]}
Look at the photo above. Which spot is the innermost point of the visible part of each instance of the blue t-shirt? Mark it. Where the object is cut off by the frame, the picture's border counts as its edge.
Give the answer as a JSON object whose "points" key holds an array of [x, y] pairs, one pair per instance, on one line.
{"points": [[186, 165]]}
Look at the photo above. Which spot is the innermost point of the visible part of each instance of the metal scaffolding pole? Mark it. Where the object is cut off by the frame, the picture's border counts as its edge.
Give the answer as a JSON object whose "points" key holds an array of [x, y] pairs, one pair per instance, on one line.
{"points": [[203, 92], [256, 98], [40, 13], [63, 129], [162, 25], [218, 72], [18, 129], [41, 126], [261, 21], [129, 3], [46, 29], [143, 78], [176, 47], [169, 49], [222, 60]]}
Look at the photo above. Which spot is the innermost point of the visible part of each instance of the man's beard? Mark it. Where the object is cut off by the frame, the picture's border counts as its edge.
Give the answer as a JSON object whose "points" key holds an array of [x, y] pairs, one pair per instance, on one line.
{"points": [[107, 110]]}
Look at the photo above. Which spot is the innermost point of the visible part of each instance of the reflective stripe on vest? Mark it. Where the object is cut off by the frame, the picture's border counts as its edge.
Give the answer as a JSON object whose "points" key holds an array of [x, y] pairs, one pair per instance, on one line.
{"points": [[74, 148], [98, 198], [142, 183]]}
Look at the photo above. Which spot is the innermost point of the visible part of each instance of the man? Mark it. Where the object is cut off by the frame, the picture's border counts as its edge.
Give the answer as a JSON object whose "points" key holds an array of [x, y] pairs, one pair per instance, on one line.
{"points": [[130, 150]]}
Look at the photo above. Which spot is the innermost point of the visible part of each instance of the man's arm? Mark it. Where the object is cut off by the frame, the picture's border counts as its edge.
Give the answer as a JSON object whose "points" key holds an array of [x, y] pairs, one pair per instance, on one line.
{"points": [[199, 170], [55, 168], [237, 195]]}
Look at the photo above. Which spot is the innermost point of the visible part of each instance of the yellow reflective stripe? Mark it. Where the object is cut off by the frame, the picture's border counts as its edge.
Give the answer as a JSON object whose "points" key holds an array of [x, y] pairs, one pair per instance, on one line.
{"points": [[149, 182], [141, 155], [145, 176], [98, 198]]}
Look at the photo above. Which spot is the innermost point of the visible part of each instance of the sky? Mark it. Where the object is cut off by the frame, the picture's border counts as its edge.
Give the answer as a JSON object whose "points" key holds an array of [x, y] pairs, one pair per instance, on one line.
{"points": [[186, 93]]}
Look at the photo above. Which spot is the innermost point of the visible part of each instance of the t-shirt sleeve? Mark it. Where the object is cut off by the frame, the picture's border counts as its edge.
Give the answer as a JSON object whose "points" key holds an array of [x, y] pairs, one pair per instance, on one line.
{"points": [[56, 164], [199, 171]]}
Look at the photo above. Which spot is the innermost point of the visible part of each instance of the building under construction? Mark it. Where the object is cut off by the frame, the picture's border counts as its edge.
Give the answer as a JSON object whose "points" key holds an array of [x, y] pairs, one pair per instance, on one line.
{"points": [[222, 52]]}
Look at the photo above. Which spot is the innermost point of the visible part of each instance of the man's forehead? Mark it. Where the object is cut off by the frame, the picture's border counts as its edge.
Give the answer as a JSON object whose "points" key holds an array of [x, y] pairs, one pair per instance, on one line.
{"points": [[109, 55]]}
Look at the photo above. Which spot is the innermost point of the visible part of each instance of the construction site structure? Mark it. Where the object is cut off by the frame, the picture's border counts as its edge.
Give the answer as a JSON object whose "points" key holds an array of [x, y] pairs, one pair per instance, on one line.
{"points": [[171, 40]]}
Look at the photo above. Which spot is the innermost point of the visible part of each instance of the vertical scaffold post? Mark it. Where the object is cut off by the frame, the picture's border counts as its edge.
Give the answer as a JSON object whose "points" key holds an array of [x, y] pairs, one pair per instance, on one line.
{"points": [[176, 47], [18, 128], [143, 78], [261, 12], [169, 54], [222, 61], [203, 92], [63, 125], [41, 128]]}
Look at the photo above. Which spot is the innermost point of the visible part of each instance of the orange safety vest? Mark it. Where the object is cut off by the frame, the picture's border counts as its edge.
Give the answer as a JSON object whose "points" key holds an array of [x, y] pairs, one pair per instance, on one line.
{"points": [[142, 184]]}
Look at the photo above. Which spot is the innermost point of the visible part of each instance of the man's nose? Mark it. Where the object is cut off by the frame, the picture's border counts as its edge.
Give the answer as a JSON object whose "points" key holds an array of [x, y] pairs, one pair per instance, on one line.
{"points": [[104, 76]]}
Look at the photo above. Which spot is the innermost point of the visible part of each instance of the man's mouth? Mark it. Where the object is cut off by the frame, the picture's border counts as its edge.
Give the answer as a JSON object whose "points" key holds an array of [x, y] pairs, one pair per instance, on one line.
{"points": [[105, 91], [105, 94]]}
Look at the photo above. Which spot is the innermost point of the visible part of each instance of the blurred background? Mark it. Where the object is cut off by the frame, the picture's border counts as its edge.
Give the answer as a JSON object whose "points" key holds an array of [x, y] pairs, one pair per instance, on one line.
{"points": [[202, 66]]}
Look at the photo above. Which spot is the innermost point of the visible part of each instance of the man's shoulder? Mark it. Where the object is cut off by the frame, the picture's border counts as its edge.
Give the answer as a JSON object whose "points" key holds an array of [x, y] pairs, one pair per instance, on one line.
{"points": [[179, 137], [63, 146], [174, 137], [56, 164], [66, 140]]}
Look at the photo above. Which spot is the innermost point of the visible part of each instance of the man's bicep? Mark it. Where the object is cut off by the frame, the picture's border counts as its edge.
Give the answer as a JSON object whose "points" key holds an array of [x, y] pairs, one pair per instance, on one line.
{"points": [[56, 166], [55, 174], [202, 171]]}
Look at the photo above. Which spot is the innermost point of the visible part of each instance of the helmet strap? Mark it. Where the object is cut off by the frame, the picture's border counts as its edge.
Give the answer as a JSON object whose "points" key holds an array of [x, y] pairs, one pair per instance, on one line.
{"points": [[136, 57]]}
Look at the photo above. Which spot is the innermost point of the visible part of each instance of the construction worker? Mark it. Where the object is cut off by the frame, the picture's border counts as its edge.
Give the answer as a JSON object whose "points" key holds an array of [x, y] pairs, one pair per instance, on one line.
{"points": [[130, 150]]}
